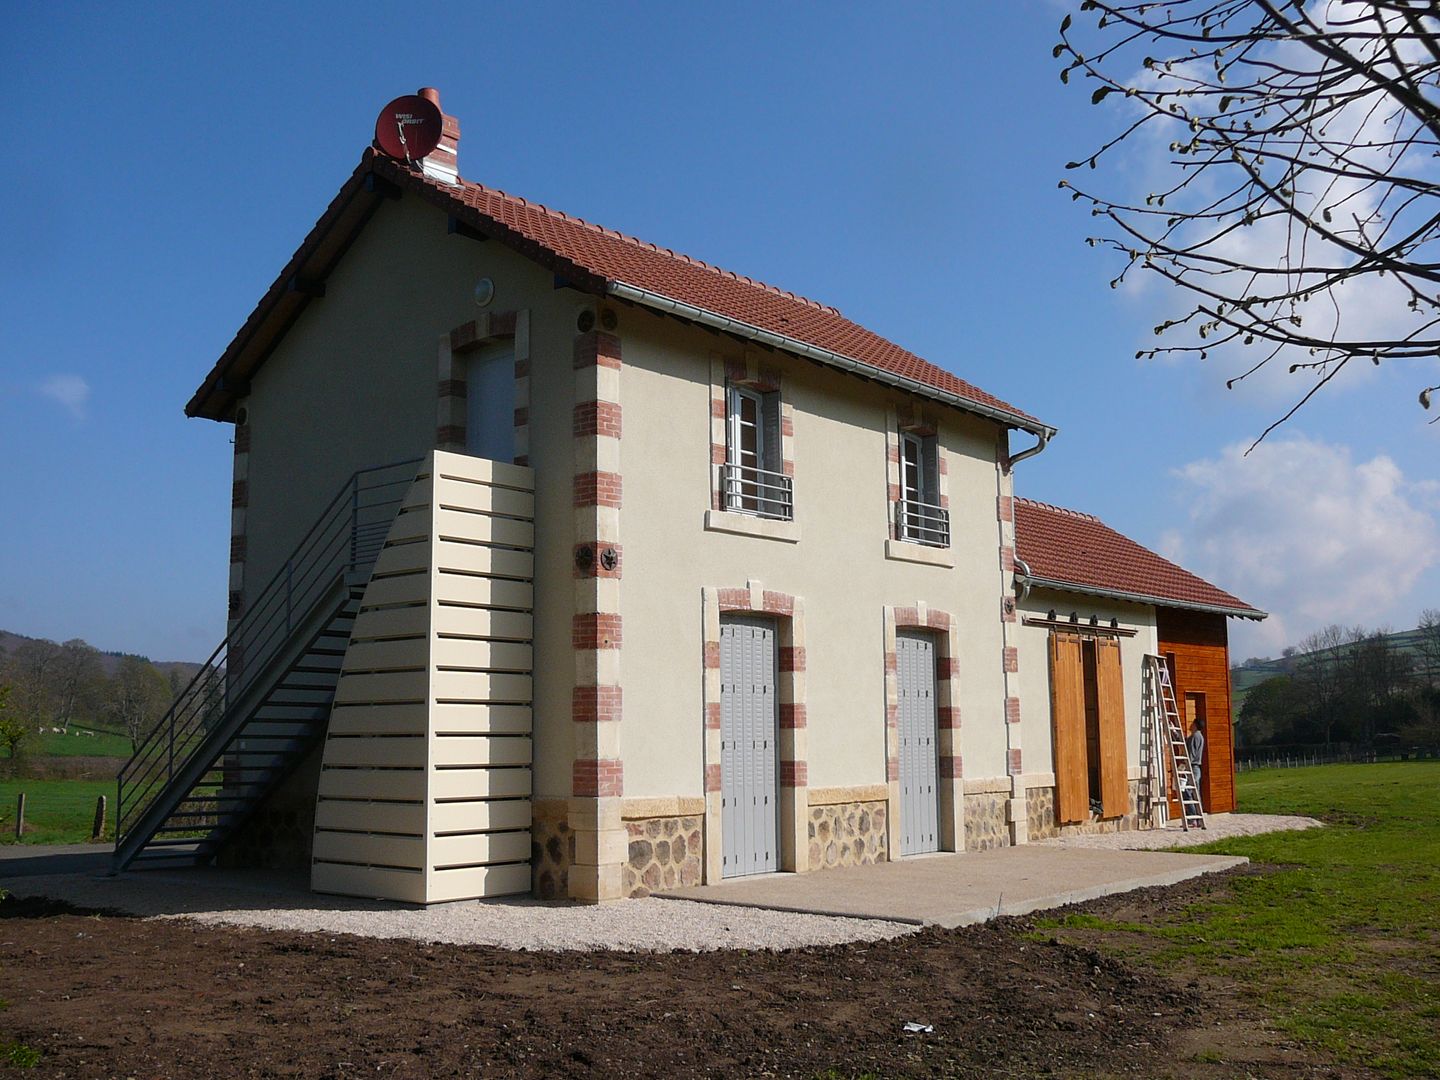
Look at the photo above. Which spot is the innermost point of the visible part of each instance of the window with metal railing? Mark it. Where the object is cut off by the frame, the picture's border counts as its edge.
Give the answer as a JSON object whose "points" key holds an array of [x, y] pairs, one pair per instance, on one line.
{"points": [[919, 517], [752, 480]]}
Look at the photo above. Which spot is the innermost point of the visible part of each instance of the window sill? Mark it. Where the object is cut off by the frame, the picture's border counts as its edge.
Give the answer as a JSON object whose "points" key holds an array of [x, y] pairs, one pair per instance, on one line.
{"points": [[920, 553], [744, 525]]}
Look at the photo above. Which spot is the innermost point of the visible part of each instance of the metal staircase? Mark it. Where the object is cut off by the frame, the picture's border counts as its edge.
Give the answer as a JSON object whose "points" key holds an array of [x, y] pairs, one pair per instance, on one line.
{"points": [[262, 700]]}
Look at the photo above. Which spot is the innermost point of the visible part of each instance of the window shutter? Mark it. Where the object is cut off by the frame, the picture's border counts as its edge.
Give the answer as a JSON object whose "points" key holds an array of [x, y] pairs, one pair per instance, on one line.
{"points": [[1067, 707], [1114, 765], [930, 474], [770, 439]]}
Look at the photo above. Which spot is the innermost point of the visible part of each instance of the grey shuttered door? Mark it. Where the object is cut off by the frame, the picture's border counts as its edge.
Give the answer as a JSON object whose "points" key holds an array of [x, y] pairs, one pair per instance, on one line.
{"points": [[919, 790], [749, 748]]}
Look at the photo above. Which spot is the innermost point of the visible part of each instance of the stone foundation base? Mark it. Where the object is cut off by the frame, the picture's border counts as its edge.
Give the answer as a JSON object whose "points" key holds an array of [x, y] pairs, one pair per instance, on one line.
{"points": [[552, 850], [985, 824], [1042, 816], [665, 853], [848, 834], [280, 833]]}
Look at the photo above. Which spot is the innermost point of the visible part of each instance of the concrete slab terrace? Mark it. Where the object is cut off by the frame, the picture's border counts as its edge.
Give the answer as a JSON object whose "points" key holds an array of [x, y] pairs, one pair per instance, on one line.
{"points": [[958, 890]]}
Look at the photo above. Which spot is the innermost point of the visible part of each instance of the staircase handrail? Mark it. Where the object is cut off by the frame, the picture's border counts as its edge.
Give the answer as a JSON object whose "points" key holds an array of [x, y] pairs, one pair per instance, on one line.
{"points": [[309, 563]]}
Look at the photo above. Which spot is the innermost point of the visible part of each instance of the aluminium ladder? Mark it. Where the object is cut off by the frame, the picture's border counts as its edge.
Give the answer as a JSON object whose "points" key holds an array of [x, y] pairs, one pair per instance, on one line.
{"points": [[1192, 815]]}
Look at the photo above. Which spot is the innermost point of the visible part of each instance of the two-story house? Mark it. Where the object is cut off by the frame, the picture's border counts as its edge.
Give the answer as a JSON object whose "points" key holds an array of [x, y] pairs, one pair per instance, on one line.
{"points": [[562, 562]]}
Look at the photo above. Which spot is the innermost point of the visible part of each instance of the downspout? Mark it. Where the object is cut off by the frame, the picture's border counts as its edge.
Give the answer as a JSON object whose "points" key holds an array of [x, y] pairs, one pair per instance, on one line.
{"points": [[1023, 579], [1043, 437]]}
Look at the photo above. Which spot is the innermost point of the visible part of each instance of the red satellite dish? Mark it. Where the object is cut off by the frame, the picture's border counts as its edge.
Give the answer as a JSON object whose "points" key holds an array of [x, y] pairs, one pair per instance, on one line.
{"points": [[409, 127]]}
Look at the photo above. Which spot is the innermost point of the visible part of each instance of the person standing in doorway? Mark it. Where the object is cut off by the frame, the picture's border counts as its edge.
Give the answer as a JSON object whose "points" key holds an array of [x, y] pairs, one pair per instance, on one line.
{"points": [[1196, 745]]}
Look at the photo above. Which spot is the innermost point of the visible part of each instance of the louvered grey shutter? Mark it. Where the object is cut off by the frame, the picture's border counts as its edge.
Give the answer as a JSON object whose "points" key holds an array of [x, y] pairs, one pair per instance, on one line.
{"points": [[770, 432]]}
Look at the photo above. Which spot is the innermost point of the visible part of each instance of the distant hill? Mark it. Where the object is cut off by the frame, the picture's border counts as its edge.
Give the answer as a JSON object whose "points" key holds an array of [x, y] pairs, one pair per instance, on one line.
{"points": [[109, 661]]}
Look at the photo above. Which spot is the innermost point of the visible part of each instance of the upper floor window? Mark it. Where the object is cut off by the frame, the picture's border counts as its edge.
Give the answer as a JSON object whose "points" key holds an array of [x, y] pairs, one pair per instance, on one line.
{"points": [[919, 517], [490, 403], [752, 480]]}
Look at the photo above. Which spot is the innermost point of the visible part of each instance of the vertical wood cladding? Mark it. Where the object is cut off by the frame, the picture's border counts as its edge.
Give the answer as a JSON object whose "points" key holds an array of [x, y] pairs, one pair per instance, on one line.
{"points": [[1200, 644]]}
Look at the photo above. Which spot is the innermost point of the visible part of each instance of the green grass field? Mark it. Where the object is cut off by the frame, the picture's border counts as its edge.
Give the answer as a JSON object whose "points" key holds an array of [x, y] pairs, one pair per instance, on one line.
{"points": [[56, 811], [101, 744], [1341, 942]]}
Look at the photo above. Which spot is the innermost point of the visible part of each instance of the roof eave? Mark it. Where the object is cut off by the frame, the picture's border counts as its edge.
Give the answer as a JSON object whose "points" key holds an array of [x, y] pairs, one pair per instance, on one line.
{"points": [[1037, 582], [670, 306]]}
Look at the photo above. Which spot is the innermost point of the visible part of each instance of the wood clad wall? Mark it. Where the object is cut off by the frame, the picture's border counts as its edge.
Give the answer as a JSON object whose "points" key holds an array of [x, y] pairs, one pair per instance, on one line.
{"points": [[1200, 644], [425, 785]]}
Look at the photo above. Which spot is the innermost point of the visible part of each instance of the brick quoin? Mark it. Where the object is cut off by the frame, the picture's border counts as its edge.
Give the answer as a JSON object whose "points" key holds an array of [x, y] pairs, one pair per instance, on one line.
{"points": [[597, 418], [892, 769], [792, 716], [522, 369], [1013, 762], [1007, 609], [1012, 710], [502, 323], [452, 388], [938, 620], [1005, 508], [717, 408], [948, 717], [907, 616], [242, 438], [596, 704], [712, 715], [450, 433], [712, 778], [950, 767], [947, 667], [794, 774], [892, 716], [237, 548], [735, 371], [596, 630], [597, 489], [792, 658], [712, 655], [1007, 558], [892, 663], [597, 779], [596, 348], [1012, 659], [787, 426], [522, 417], [240, 493]]}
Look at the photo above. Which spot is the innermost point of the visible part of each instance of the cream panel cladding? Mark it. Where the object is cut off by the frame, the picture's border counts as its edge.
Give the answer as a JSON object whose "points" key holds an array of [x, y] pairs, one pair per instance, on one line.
{"points": [[839, 565], [1035, 667], [425, 785]]}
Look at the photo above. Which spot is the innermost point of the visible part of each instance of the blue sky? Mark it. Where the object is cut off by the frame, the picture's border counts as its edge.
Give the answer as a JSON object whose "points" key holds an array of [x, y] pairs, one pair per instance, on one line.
{"points": [[166, 160]]}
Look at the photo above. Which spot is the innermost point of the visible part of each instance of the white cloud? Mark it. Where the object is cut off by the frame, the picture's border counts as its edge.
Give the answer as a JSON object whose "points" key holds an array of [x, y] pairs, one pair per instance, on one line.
{"points": [[1302, 530], [72, 392]]}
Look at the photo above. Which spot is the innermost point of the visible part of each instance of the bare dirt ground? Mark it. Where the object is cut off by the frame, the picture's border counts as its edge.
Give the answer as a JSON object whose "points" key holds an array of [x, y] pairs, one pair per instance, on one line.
{"points": [[104, 995]]}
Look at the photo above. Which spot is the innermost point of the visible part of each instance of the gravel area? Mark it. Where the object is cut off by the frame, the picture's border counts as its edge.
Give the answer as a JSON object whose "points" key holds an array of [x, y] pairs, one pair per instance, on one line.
{"points": [[648, 925], [1217, 827]]}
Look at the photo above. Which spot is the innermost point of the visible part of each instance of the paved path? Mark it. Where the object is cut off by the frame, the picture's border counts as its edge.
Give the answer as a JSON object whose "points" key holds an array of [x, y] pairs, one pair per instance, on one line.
{"points": [[35, 860], [957, 890]]}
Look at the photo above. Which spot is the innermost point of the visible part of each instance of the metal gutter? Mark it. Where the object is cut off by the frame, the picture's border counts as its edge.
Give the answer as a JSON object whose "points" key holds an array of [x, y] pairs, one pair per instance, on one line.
{"points": [[1140, 598], [665, 304]]}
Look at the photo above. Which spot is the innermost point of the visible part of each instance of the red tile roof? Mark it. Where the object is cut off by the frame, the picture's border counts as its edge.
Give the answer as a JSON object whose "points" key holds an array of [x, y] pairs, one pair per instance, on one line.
{"points": [[1066, 547], [596, 258]]}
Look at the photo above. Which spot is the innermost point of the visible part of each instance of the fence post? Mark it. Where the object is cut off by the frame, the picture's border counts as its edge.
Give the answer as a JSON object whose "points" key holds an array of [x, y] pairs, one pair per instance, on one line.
{"points": [[19, 815], [98, 831]]}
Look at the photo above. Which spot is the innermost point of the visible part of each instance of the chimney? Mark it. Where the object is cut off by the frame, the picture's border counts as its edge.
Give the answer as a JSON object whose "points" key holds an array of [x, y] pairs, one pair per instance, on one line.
{"points": [[442, 163]]}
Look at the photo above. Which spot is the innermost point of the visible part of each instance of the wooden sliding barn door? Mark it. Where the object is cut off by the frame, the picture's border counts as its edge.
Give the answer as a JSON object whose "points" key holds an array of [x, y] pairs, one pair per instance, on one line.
{"points": [[1067, 704], [1114, 762]]}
